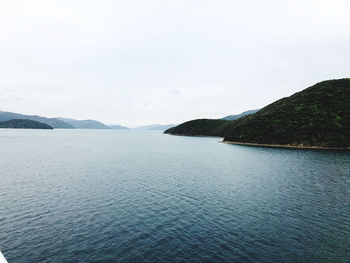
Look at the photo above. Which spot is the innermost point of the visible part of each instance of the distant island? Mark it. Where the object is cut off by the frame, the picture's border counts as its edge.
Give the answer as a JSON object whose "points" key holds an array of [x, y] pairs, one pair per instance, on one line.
{"points": [[57, 123], [318, 116], [53, 122], [155, 127], [24, 124], [118, 127], [69, 123]]}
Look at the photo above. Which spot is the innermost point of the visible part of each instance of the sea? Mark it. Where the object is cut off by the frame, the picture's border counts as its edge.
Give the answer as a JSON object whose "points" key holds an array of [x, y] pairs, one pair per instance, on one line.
{"points": [[143, 196]]}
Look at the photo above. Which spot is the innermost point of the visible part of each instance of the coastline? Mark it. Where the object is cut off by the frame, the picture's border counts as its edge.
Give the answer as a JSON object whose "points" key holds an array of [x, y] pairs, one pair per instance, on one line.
{"points": [[285, 146], [189, 135], [288, 146]]}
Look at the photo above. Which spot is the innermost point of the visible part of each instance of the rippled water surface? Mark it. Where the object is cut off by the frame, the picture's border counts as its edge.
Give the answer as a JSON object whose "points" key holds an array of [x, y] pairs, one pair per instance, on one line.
{"points": [[124, 196]]}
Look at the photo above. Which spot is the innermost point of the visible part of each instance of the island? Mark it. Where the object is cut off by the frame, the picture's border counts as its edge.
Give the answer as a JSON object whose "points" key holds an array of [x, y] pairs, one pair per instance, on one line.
{"points": [[24, 124], [318, 116], [53, 122], [118, 127], [154, 127]]}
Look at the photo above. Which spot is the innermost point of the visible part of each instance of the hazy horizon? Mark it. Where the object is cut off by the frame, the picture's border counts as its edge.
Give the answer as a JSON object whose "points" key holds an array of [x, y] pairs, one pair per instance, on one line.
{"points": [[138, 62]]}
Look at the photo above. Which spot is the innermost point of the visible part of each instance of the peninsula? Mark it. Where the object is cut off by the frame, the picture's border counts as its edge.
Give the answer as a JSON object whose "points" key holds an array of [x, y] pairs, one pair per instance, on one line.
{"points": [[318, 116]]}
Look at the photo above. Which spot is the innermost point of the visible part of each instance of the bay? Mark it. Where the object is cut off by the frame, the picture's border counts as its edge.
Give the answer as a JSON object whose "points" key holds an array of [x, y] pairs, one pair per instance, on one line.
{"points": [[132, 196]]}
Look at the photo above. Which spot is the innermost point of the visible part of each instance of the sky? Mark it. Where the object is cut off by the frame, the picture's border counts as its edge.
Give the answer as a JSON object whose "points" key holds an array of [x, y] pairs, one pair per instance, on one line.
{"points": [[137, 62]]}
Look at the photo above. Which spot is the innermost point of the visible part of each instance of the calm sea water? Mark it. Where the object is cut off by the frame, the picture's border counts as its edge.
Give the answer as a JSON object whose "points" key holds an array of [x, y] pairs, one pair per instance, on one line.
{"points": [[123, 196]]}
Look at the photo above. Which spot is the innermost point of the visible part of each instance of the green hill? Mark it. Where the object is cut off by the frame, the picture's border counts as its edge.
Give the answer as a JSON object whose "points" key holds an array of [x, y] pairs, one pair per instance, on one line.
{"points": [[24, 124], [201, 127], [53, 122], [316, 116]]}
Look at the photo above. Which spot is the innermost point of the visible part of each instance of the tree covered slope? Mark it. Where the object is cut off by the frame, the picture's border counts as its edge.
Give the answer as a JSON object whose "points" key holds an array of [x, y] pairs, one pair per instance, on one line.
{"points": [[24, 124], [316, 116], [201, 127]]}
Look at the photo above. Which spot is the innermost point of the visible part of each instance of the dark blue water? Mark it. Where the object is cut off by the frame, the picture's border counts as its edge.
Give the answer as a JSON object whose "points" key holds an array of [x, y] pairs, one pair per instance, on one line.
{"points": [[121, 196]]}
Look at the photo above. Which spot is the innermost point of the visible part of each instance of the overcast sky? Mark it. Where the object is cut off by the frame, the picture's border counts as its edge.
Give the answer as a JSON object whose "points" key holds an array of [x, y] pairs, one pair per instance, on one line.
{"points": [[136, 62]]}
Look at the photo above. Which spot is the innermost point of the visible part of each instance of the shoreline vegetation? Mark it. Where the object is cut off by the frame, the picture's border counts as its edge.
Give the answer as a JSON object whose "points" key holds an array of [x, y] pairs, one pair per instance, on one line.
{"points": [[285, 146], [265, 145], [316, 118]]}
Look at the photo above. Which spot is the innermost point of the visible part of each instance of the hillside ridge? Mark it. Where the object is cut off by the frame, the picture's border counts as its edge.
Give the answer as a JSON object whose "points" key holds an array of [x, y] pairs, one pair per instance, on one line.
{"points": [[316, 116]]}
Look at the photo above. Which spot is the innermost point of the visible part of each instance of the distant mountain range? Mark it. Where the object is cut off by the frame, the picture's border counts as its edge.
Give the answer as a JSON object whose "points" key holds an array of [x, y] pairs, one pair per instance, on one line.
{"points": [[155, 127], [84, 124], [68, 123], [53, 122], [235, 117], [118, 127], [57, 123]]}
